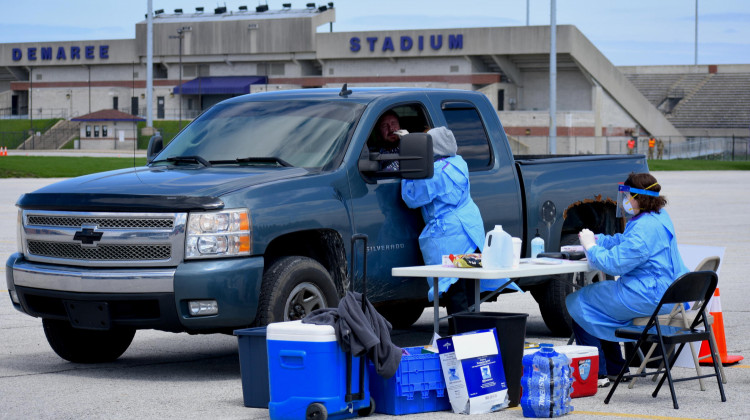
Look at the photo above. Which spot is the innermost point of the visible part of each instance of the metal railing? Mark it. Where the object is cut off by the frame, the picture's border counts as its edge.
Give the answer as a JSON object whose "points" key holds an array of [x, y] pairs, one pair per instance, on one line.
{"points": [[730, 148]]}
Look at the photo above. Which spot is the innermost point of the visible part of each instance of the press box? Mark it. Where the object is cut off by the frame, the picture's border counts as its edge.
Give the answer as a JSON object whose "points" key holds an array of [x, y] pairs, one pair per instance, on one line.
{"points": [[305, 366]]}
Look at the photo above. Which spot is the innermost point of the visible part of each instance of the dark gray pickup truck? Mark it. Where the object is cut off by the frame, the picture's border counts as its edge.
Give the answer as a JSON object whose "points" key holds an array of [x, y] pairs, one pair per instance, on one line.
{"points": [[246, 218]]}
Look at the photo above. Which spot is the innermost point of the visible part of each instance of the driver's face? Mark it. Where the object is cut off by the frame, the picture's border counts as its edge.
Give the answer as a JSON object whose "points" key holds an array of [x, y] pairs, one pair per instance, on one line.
{"points": [[387, 125]]}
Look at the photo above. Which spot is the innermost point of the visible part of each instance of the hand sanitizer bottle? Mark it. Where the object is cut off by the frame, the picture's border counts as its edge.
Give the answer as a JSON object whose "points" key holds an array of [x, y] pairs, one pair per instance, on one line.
{"points": [[537, 245]]}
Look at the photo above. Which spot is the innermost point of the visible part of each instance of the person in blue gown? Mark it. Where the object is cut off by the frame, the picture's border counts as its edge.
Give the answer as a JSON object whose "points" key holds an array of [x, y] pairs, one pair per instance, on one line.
{"points": [[647, 261], [453, 223]]}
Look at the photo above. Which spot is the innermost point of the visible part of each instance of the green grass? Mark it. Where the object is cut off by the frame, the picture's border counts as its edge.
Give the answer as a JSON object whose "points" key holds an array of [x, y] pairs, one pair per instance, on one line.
{"points": [[14, 132], [69, 166], [168, 130], [61, 166], [698, 165]]}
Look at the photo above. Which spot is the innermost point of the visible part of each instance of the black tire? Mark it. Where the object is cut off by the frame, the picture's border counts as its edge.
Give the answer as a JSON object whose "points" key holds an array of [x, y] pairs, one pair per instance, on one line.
{"points": [[367, 411], [402, 315], [86, 346], [292, 288], [551, 298], [316, 411]]}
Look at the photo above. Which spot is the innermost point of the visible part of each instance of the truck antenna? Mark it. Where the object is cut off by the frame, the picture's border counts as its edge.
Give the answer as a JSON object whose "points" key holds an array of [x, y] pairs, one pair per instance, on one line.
{"points": [[345, 91]]}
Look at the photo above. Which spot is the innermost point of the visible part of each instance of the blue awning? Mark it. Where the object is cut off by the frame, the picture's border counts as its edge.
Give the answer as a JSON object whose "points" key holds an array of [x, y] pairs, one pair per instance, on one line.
{"points": [[229, 85]]}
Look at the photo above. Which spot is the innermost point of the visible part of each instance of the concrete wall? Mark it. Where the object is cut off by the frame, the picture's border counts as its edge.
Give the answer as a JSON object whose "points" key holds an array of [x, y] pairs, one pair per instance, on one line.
{"points": [[233, 36], [573, 91], [397, 67]]}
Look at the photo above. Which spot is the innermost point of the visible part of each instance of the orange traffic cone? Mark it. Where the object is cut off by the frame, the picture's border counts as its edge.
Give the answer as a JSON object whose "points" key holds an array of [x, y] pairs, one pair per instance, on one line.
{"points": [[5, 151], [718, 330]]}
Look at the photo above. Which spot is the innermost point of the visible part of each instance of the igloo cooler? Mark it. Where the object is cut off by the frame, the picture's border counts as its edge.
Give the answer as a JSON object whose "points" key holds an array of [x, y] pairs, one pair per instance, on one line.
{"points": [[307, 372], [584, 363]]}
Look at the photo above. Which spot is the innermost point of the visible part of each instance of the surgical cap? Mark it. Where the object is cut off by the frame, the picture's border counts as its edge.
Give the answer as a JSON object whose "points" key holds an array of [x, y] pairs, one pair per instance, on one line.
{"points": [[443, 142]]}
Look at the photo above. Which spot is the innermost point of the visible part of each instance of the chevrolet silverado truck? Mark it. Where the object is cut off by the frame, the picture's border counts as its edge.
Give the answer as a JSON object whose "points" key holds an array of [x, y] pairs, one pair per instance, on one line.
{"points": [[246, 218]]}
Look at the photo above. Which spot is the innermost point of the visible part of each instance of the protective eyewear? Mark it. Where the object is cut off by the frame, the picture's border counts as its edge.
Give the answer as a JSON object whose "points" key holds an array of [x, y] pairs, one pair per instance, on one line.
{"points": [[622, 189], [625, 194]]}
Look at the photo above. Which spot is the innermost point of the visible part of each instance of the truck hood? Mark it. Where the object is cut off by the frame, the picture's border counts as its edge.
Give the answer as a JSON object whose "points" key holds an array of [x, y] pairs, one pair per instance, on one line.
{"points": [[152, 189]]}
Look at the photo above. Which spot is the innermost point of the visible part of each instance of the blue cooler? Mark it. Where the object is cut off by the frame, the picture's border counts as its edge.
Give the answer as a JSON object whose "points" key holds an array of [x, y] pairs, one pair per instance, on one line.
{"points": [[307, 374]]}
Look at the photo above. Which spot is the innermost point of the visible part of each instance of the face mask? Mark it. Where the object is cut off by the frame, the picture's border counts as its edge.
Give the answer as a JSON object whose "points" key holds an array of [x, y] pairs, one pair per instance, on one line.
{"points": [[627, 206]]}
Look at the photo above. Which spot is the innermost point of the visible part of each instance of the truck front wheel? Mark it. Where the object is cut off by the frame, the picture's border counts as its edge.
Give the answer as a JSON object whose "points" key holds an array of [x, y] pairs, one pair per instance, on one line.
{"points": [[86, 346], [292, 288]]}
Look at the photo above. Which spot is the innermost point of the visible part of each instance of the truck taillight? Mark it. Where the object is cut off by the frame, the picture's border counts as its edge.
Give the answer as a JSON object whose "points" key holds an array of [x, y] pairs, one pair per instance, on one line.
{"points": [[225, 233]]}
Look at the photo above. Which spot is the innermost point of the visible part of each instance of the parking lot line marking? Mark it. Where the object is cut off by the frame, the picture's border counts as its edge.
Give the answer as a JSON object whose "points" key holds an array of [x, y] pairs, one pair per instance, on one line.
{"points": [[633, 416], [624, 415]]}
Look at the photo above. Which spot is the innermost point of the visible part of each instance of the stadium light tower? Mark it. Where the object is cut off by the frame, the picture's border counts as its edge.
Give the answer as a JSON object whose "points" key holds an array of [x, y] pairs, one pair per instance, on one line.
{"points": [[553, 78], [696, 32], [181, 35]]}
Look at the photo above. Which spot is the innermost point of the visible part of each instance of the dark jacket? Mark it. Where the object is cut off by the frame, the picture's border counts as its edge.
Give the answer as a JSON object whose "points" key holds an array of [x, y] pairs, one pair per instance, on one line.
{"points": [[361, 332]]}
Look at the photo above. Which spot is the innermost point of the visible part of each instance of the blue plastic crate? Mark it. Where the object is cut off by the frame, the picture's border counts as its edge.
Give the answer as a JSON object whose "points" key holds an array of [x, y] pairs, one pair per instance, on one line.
{"points": [[417, 386]]}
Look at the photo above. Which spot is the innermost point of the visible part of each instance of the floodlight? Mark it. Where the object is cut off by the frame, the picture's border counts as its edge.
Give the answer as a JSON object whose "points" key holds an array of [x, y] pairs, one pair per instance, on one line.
{"points": [[243, 8], [322, 8], [262, 8], [178, 11]]}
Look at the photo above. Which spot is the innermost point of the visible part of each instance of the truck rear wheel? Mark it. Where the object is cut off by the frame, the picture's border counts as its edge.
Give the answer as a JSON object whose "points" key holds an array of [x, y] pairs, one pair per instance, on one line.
{"points": [[292, 288], [402, 315], [551, 298], [86, 346]]}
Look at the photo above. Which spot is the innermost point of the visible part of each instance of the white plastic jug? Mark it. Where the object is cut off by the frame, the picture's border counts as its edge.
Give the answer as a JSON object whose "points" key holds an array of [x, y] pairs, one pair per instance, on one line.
{"points": [[498, 249]]}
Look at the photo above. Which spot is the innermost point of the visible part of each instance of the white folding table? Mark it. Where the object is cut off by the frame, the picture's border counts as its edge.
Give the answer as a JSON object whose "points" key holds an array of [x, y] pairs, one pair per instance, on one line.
{"points": [[527, 268]]}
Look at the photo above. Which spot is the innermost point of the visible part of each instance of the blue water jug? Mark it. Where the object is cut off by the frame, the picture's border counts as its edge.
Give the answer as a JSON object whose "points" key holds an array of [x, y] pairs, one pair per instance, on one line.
{"points": [[547, 383]]}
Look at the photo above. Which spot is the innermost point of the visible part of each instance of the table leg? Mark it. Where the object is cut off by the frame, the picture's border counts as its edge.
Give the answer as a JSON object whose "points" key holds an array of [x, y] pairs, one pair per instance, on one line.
{"points": [[477, 302], [436, 309]]}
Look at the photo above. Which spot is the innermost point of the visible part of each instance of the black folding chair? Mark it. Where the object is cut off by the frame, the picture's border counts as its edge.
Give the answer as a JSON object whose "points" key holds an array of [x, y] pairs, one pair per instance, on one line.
{"points": [[690, 287]]}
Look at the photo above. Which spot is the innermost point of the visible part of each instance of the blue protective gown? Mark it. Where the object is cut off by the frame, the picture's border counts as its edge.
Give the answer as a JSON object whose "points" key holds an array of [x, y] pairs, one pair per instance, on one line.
{"points": [[647, 260], [453, 224]]}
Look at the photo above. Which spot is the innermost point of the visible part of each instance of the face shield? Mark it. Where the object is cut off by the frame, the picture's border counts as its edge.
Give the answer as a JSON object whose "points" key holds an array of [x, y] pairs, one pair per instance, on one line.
{"points": [[626, 206]]}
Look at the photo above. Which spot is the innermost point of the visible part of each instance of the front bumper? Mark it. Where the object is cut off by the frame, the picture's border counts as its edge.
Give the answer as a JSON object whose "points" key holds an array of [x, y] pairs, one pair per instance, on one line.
{"points": [[146, 298]]}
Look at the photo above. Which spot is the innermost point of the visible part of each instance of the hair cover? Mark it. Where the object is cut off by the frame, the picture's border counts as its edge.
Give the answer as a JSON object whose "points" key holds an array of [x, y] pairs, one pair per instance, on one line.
{"points": [[443, 142]]}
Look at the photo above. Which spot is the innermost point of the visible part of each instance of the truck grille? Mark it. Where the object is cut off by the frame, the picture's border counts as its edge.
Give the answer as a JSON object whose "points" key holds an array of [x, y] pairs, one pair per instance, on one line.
{"points": [[104, 239], [103, 223], [100, 253]]}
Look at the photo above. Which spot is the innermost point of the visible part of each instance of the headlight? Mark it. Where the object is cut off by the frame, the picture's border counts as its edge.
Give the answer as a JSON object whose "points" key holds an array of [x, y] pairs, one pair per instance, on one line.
{"points": [[226, 233], [19, 231]]}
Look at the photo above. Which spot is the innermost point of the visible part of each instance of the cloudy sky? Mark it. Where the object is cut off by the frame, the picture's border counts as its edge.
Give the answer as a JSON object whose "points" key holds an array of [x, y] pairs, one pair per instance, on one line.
{"points": [[634, 32]]}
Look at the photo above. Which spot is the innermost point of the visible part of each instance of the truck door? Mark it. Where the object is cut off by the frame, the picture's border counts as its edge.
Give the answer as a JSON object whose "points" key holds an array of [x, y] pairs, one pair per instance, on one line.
{"points": [[392, 228], [494, 185]]}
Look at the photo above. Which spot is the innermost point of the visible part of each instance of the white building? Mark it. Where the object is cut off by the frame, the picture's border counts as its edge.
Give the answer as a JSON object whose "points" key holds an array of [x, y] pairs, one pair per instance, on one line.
{"points": [[227, 53]]}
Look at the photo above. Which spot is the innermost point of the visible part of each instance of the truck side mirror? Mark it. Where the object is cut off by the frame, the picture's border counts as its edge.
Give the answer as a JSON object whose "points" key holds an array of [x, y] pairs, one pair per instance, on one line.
{"points": [[416, 156], [155, 145]]}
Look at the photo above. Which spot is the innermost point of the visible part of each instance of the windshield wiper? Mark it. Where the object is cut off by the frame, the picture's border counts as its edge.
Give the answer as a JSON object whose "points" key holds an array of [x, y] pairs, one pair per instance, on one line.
{"points": [[189, 159], [270, 159]]}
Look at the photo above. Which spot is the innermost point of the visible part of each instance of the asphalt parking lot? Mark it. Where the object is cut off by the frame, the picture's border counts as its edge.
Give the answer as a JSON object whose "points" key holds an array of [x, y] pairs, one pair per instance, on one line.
{"points": [[178, 376]]}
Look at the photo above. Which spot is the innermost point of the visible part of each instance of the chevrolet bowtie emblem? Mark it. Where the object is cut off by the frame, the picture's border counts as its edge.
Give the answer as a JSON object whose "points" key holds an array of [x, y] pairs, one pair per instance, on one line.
{"points": [[87, 236]]}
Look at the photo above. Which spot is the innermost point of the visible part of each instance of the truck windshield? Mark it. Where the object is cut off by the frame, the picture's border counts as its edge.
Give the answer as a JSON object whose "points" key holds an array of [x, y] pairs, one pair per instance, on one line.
{"points": [[309, 134]]}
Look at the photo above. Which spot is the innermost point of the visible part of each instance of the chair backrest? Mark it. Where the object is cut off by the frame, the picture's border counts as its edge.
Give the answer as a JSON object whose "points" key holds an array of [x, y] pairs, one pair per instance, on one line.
{"points": [[709, 264], [690, 287]]}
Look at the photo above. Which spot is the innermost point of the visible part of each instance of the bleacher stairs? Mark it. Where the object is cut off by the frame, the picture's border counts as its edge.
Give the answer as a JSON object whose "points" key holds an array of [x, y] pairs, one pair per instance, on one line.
{"points": [[54, 138]]}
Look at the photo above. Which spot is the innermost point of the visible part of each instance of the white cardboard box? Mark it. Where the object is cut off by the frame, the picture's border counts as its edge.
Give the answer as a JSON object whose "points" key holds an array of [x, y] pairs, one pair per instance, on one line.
{"points": [[473, 372]]}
